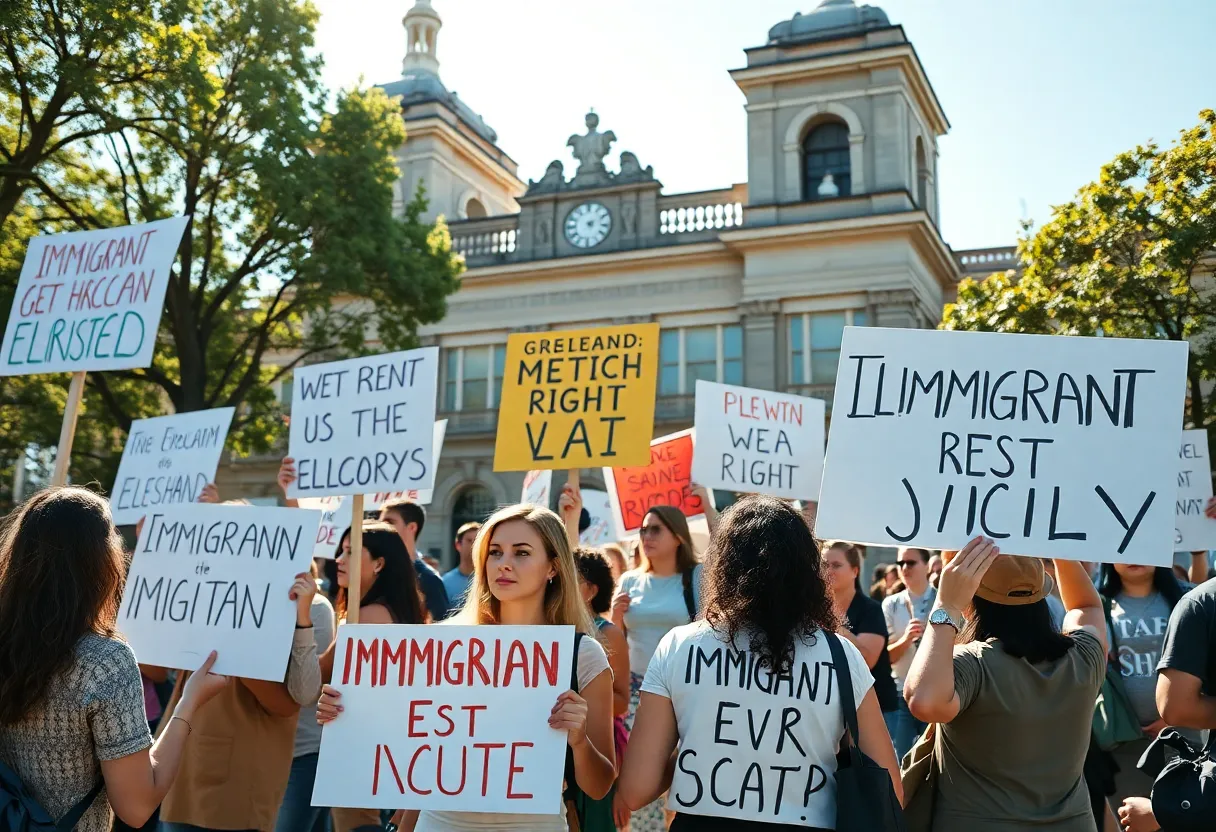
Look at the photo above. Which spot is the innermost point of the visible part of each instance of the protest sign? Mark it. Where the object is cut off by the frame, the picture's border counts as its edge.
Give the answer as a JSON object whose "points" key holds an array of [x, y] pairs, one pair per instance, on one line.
{"points": [[216, 577], [758, 441], [335, 519], [1192, 529], [578, 398], [474, 729], [423, 496], [168, 460], [90, 300], [538, 486], [364, 424], [1053, 446], [602, 529], [666, 481]]}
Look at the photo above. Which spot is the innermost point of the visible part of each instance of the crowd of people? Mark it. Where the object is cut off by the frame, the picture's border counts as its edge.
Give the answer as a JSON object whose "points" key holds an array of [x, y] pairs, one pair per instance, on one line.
{"points": [[979, 670]]}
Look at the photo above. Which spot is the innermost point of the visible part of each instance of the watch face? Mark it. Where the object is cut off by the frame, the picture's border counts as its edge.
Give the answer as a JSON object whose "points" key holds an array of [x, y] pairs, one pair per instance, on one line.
{"points": [[588, 224]]}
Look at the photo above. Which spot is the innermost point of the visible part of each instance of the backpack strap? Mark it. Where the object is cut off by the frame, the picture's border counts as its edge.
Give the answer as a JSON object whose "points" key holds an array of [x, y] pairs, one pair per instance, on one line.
{"points": [[690, 603], [844, 685], [572, 790], [68, 822]]}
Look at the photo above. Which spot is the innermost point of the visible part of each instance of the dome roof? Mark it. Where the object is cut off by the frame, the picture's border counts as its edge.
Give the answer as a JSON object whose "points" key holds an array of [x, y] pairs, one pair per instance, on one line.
{"points": [[419, 86], [831, 18]]}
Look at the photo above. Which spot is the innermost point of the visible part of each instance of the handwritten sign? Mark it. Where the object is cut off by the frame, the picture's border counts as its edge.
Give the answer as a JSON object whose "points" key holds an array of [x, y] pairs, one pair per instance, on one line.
{"points": [[538, 486], [578, 398], [602, 529], [364, 424], [473, 731], [1053, 446], [758, 441], [1192, 529], [421, 496], [336, 517], [666, 481], [215, 577], [90, 300], [168, 460]]}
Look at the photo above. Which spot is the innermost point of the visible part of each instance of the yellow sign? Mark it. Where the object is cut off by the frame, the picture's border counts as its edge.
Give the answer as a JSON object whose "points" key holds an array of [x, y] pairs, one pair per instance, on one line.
{"points": [[579, 398]]}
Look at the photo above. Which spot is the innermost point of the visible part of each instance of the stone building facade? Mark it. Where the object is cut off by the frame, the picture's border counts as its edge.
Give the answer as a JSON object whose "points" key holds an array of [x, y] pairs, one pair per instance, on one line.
{"points": [[752, 284]]}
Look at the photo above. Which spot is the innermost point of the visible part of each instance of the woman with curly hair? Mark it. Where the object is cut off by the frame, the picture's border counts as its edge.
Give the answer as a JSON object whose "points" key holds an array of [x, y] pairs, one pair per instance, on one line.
{"points": [[746, 698]]}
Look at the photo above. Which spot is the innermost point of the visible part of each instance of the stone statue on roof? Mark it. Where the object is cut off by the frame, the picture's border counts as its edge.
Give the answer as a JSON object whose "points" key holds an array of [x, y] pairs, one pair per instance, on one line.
{"points": [[590, 151]]}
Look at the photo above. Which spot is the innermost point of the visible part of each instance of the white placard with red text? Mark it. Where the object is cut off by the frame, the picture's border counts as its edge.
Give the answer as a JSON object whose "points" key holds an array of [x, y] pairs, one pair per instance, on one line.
{"points": [[451, 718], [758, 441], [537, 488]]}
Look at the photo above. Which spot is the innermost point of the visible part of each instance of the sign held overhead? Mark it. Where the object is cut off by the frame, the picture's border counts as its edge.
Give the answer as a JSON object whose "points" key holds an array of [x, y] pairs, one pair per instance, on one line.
{"points": [[1053, 446]]}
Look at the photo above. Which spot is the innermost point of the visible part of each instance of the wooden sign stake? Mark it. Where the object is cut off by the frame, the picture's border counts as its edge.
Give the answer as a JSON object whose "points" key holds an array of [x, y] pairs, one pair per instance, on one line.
{"points": [[354, 566], [63, 457]]}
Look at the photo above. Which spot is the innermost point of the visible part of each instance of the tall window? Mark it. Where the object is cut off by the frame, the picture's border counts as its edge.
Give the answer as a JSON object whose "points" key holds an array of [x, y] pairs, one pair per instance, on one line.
{"points": [[472, 377], [712, 353], [922, 176], [825, 160], [814, 341]]}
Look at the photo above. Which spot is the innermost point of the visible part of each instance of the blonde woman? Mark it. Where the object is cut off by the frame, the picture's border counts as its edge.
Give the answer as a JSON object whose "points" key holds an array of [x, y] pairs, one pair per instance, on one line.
{"points": [[524, 574]]}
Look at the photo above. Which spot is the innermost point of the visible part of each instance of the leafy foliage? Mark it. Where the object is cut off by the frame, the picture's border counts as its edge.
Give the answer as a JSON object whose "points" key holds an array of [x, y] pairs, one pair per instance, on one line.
{"points": [[1131, 256]]}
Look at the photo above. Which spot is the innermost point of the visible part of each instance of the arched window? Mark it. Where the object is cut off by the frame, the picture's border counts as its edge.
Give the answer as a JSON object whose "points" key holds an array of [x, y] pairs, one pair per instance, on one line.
{"points": [[825, 162], [473, 209], [474, 505], [922, 176]]}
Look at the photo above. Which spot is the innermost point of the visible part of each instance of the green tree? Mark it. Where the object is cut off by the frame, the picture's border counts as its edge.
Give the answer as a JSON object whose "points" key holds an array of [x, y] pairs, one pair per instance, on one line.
{"points": [[293, 251], [1131, 256]]}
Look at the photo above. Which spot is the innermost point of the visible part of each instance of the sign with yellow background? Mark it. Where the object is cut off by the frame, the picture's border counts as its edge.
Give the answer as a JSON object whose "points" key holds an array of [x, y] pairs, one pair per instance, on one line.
{"points": [[578, 398]]}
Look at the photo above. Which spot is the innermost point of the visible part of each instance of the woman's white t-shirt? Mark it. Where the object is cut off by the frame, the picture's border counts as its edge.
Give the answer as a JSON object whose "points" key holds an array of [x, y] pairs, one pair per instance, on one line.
{"points": [[592, 661], [656, 605], [753, 746]]}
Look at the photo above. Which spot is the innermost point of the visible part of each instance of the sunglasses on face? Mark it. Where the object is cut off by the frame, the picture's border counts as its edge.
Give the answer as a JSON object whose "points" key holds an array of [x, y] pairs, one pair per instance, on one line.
{"points": [[651, 531], [907, 564]]}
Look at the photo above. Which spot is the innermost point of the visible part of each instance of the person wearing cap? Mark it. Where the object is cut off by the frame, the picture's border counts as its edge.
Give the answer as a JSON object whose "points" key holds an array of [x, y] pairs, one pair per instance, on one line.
{"points": [[1013, 701]]}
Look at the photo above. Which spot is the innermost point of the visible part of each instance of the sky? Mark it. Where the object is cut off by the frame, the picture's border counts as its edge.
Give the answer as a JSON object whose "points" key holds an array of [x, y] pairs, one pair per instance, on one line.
{"points": [[1039, 93]]}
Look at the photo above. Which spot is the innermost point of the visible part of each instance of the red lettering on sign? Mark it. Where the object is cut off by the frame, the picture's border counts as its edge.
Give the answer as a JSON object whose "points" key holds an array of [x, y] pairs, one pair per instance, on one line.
{"points": [[513, 770]]}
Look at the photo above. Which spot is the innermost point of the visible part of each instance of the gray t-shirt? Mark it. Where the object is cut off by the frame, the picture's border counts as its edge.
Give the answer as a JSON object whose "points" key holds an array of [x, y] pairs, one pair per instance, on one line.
{"points": [[308, 732], [1139, 632], [898, 610], [94, 711]]}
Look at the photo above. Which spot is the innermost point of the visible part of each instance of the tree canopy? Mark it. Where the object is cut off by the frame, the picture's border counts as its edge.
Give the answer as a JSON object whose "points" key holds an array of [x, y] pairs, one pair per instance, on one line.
{"points": [[293, 251], [1131, 256]]}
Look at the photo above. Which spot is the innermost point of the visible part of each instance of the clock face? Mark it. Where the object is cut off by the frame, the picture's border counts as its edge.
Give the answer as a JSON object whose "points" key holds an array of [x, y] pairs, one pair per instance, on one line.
{"points": [[588, 224]]}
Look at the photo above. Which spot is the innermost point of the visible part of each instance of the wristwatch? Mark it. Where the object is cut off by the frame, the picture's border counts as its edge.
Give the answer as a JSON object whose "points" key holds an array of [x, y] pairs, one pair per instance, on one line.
{"points": [[390, 827], [940, 616]]}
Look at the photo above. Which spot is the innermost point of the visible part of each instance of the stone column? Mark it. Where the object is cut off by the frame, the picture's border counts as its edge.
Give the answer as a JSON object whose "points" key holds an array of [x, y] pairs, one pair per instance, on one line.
{"points": [[896, 308], [762, 344]]}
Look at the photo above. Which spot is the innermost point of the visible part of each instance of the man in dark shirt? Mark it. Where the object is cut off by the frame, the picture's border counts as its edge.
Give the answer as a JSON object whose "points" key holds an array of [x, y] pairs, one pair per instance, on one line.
{"points": [[408, 518], [1186, 674]]}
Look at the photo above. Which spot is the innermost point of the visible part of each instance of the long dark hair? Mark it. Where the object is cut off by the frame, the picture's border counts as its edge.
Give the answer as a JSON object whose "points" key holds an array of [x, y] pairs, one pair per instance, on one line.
{"points": [[1164, 581], [594, 569], [1025, 631], [765, 577], [677, 524], [396, 586], [61, 573]]}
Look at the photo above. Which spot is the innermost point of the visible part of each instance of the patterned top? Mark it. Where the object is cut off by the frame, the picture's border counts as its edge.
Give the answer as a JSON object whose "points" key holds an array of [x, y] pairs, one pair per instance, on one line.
{"points": [[93, 712]]}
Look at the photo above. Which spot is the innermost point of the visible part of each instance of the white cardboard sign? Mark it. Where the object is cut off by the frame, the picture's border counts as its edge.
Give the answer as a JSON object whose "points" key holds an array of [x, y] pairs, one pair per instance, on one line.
{"points": [[336, 518], [538, 486], [1053, 446], [602, 529], [1192, 529], [471, 731], [423, 496], [758, 441], [168, 460], [90, 300], [216, 577], [365, 424]]}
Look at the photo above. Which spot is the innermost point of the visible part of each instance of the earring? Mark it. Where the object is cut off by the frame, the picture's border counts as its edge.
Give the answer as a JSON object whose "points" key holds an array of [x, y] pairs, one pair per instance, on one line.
{"points": [[550, 582]]}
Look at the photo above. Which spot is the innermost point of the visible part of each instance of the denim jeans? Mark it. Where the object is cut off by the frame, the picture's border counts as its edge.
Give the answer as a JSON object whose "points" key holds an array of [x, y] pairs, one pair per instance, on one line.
{"points": [[907, 728], [297, 814]]}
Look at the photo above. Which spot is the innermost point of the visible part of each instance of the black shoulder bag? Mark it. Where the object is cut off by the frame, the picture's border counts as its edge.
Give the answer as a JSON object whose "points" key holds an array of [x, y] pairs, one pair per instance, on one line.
{"points": [[865, 796], [1184, 789], [690, 603]]}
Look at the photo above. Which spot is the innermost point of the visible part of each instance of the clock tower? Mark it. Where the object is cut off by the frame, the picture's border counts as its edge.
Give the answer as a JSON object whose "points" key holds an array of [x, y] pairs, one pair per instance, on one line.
{"points": [[596, 211]]}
